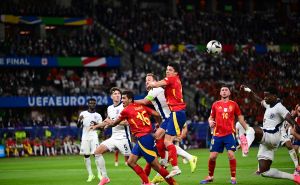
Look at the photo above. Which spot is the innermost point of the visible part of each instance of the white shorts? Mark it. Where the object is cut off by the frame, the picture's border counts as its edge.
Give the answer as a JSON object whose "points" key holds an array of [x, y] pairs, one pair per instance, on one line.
{"points": [[121, 144], [268, 146], [88, 147]]}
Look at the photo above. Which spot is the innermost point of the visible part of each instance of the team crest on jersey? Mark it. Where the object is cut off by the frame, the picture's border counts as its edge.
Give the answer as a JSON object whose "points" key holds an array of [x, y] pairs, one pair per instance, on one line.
{"points": [[272, 116], [117, 111], [225, 110], [230, 108]]}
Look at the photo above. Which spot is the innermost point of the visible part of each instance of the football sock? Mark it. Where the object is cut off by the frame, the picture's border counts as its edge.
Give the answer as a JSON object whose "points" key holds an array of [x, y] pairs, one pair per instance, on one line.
{"points": [[161, 149], [294, 157], [140, 172], [211, 167], [101, 164], [232, 164], [183, 153], [274, 173], [147, 169], [172, 154], [87, 162], [163, 172]]}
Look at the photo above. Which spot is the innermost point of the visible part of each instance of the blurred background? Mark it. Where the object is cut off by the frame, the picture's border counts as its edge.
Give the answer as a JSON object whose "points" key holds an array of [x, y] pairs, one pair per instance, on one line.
{"points": [[56, 54]]}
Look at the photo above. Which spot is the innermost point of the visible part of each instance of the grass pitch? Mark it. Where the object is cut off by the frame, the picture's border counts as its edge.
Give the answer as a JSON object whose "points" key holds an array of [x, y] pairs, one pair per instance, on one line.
{"points": [[70, 170]]}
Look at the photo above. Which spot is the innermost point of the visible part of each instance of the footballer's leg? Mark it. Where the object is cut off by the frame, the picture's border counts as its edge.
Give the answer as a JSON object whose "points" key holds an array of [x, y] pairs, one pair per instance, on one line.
{"points": [[191, 158], [100, 150], [162, 171], [87, 162], [132, 163]]}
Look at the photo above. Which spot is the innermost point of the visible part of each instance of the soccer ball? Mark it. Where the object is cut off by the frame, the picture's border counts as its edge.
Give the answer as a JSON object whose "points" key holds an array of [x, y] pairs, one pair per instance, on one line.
{"points": [[214, 47]]}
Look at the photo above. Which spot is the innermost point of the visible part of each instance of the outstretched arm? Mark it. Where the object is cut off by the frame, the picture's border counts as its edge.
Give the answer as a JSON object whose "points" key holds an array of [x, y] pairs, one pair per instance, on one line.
{"points": [[157, 84], [142, 101], [255, 96]]}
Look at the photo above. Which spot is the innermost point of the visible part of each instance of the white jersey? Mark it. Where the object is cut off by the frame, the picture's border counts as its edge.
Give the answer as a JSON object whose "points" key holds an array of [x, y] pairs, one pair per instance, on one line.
{"points": [[88, 117], [119, 131], [158, 99], [274, 116]]}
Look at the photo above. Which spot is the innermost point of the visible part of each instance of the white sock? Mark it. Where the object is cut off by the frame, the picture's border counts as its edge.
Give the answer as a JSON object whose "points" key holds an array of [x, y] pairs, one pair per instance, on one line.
{"points": [[274, 173], [98, 169], [294, 157], [183, 153], [250, 136], [88, 166], [101, 164]]}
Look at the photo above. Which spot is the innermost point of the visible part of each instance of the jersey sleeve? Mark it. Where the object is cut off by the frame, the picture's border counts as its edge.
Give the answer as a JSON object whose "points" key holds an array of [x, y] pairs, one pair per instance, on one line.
{"points": [[168, 80], [213, 111], [149, 110], [81, 114], [152, 94], [237, 110], [123, 114], [282, 111], [99, 118]]}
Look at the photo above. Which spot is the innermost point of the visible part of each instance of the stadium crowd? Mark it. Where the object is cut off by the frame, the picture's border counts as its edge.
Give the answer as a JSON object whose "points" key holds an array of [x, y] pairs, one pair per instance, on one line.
{"points": [[194, 27], [200, 70]]}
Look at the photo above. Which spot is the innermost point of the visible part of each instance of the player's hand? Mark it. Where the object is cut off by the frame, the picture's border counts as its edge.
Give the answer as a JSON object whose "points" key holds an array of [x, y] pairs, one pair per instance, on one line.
{"points": [[93, 127], [212, 123], [108, 121], [245, 88], [150, 85]]}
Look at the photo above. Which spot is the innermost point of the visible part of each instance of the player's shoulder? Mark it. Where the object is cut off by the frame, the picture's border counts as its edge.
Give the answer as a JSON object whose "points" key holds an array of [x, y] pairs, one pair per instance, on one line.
{"points": [[233, 102], [156, 91], [83, 112]]}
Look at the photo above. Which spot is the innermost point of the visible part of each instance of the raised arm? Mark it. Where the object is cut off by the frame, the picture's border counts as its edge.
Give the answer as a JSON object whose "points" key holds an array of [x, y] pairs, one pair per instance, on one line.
{"points": [[255, 96]]}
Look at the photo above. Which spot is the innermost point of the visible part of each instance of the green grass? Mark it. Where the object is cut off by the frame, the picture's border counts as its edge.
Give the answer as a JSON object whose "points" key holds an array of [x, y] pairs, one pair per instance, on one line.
{"points": [[70, 170]]}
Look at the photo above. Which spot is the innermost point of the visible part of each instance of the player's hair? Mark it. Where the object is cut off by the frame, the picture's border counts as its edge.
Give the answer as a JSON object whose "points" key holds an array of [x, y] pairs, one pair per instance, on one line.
{"points": [[153, 76], [91, 99], [176, 67], [225, 85], [272, 90], [129, 94], [113, 89]]}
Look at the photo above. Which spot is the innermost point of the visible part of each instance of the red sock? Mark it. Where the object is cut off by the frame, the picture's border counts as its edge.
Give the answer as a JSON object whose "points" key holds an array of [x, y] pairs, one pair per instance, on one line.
{"points": [[161, 148], [147, 169], [140, 172], [172, 154], [232, 164], [211, 167], [163, 172], [116, 156]]}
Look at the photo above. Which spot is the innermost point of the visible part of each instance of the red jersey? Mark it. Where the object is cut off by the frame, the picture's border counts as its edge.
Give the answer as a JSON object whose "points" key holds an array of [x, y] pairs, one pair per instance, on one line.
{"points": [[138, 117], [10, 143], [173, 93], [224, 115]]}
